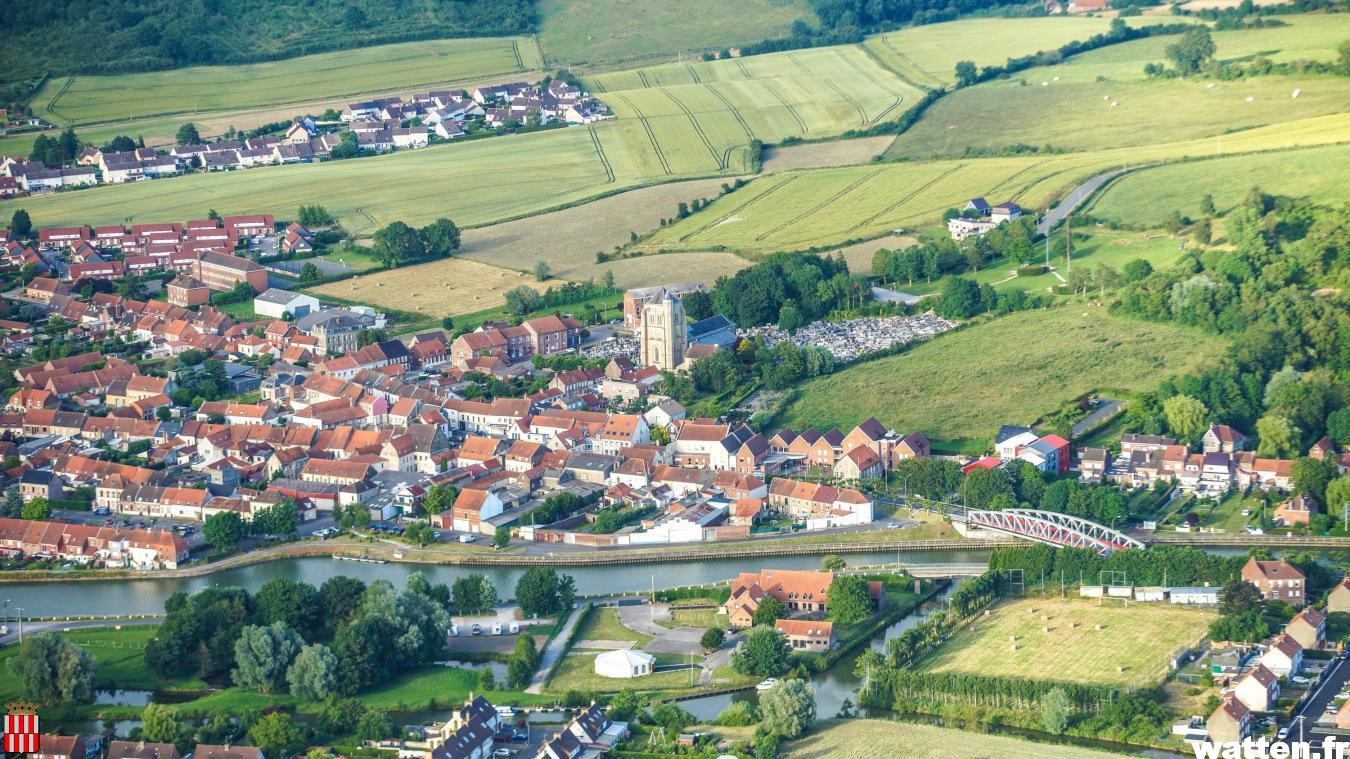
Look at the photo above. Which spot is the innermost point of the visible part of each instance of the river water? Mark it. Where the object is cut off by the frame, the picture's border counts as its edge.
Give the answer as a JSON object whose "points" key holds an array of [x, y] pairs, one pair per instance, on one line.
{"points": [[147, 596]]}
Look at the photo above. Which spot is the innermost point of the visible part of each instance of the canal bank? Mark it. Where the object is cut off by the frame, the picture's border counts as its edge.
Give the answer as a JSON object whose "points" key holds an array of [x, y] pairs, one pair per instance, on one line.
{"points": [[135, 595]]}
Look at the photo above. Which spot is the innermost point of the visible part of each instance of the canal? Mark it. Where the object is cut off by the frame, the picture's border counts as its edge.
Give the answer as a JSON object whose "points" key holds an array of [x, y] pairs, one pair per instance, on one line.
{"points": [[131, 596]]}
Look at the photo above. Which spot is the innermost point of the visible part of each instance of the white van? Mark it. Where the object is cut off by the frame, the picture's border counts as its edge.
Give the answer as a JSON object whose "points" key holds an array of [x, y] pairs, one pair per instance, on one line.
{"points": [[454, 630], [497, 628], [515, 626]]}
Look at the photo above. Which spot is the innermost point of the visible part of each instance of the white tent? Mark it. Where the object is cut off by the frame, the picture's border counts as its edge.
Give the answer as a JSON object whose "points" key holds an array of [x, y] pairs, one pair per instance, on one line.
{"points": [[623, 663]]}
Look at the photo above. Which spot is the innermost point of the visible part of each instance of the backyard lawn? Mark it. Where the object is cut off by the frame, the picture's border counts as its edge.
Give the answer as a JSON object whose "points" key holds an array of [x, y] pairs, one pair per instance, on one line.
{"points": [[1131, 648]]}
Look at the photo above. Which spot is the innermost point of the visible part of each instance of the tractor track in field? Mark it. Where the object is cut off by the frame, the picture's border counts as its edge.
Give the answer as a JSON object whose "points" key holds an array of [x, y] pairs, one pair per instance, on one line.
{"points": [[862, 115], [791, 111], [908, 197], [739, 208], [515, 49], [735, 112], [693, 72], [802, 66], [600, 151], [51, 104], [698, 128], [651, 136], [744, 71], [850, 187], [877, 118]]}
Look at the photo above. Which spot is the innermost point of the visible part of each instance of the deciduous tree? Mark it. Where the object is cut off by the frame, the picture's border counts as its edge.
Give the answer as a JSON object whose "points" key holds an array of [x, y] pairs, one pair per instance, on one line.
{"points": [[788, 710]]}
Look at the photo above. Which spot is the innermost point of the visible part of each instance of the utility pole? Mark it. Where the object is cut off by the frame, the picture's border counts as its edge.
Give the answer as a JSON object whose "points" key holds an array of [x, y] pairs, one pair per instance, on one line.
{"points": [[20, 615]]}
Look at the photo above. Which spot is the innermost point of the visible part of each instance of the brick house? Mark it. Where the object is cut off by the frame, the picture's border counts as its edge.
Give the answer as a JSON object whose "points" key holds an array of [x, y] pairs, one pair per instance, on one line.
{"points": [[1277, 580], [807, 635]]}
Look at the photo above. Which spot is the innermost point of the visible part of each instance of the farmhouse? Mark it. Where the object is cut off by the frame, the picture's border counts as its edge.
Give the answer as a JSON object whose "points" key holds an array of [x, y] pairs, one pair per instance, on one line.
{"points": [[801, 591], [807, 635]]}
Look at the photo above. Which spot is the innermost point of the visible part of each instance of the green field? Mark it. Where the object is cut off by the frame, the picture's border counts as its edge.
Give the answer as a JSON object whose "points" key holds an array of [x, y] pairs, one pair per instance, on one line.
{"points": [[604, 624], [594, 32], [1112, 248], [120, 656], [700, 116], [1149, 196], [463, 181], [1028, 364], [384, 69], [927, 55], [1101, 98], [859, 739], [824, 207], [1132, 648]]}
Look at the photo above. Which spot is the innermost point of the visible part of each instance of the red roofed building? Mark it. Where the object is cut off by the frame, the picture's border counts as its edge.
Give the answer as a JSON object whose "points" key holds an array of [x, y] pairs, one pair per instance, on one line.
{"points": [[806, 634]]}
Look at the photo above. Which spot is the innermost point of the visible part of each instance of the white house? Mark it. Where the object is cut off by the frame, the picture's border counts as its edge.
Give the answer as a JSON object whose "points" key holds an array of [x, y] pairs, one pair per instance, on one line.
{"points": [[276, 302], [1285, 656], [624, 664], [1258, 690], [1011, 440]]}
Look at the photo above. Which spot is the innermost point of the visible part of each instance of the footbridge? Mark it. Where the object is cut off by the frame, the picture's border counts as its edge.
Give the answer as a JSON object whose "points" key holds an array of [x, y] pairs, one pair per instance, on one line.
{"points": [[1046, 527]]}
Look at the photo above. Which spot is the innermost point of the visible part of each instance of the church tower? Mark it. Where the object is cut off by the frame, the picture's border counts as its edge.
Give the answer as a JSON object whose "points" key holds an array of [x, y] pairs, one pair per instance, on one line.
{"points": [[663, 337]]}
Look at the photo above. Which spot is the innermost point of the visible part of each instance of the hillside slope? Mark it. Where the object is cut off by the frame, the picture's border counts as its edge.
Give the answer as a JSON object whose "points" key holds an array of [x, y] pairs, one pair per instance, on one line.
{"points": [[147, 35]]}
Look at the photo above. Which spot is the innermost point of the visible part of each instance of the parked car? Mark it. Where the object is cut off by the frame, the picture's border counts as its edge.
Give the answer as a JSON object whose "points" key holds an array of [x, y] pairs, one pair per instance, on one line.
{"points": [[466, 538], [477, 629], [1299, 680]]}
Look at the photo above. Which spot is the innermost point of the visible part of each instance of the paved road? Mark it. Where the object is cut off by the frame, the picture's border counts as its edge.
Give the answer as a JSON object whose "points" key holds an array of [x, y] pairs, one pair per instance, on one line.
{"points": [[1081, 192], [1105, 408], [553, 652], [1332, 682], [33, 628]]}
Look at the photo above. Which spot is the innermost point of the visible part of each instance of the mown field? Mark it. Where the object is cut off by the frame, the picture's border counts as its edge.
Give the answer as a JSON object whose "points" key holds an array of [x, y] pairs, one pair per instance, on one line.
{"points": [[451, 286], [1138, 638], [573, 32], [1149, 196], [568, 240], [383, 69], [700, 116], [817, 155], [826, 207], [1029, 363], [1102, 98], [927, 55], [860, 739]]}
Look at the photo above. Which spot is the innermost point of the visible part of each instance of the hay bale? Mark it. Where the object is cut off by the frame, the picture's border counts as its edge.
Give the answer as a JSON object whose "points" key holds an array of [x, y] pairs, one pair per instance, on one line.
{"points": [[1012, 638], [1099, 627], [1014, 648], [1045, 617], [1120, 669], [1250, 99], [1045, 629]]}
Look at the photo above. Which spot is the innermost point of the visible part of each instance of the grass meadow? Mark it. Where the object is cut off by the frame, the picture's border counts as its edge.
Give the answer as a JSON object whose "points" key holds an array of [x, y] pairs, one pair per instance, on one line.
{"points": [[383, 69], [860, 739], [1147, 197], [609, 32], [927, 55], [1029, 363], [1102, 98], [1137, 639]]}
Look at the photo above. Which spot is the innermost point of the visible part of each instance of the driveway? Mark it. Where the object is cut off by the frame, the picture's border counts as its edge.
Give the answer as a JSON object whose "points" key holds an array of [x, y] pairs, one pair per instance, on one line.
{"points": [[1080, 193], [553, 652], [665, 640], [1105, 408]]}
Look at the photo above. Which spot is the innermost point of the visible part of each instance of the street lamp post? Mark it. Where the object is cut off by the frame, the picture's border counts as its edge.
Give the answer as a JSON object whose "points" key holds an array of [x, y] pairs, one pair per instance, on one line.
{"points": [[19, 613]]}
